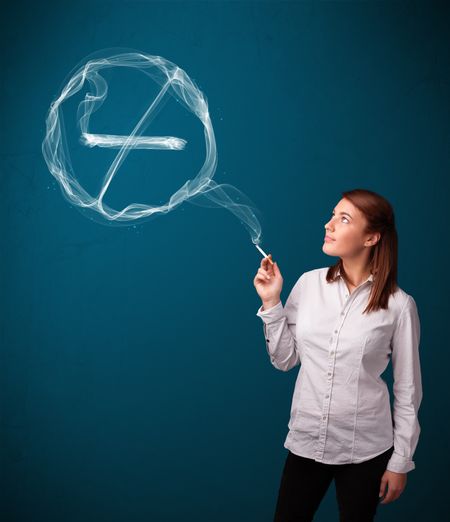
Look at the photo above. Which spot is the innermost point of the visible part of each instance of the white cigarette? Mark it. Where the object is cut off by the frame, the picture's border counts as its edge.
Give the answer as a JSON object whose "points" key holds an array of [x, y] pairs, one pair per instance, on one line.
{"points": [[263, 253]]}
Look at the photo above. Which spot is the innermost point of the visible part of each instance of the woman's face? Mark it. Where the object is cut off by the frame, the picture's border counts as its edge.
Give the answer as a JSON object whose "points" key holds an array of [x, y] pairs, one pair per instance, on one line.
{"points": [[346, 230]]}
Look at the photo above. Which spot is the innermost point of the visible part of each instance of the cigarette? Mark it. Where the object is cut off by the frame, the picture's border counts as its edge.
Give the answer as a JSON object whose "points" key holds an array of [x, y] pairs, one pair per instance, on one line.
{"points": [[263, 253]]}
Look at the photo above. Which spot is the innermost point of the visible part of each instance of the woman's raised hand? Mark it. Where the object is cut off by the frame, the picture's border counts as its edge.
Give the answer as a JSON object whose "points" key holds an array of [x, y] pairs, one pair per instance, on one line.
{"points": [[268, 283]]}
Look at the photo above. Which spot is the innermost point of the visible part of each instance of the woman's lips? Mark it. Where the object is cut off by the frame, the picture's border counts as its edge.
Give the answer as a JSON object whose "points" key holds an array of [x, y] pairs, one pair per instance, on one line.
{"points": [[329, 239]]}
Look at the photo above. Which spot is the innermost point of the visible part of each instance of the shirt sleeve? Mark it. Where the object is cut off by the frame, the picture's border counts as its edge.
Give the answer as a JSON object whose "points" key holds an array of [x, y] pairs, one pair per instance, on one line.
{"points": [[279, 324], [407, 388]]}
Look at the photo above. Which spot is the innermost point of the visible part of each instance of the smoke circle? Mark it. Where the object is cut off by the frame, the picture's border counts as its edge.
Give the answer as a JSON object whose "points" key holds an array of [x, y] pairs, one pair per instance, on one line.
{"points": [[173, 80]]}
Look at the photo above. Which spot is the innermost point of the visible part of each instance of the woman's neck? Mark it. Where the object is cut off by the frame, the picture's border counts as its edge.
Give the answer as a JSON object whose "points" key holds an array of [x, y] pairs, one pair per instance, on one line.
{"points": [[355, 273]]}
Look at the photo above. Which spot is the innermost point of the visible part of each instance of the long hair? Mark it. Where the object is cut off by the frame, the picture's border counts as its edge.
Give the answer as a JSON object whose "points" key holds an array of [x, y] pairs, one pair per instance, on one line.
{"points": [[383, 255]]}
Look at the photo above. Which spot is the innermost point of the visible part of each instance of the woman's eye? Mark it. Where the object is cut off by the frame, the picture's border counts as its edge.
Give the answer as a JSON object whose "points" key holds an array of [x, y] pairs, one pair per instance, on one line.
{"points": [[343, 217]]}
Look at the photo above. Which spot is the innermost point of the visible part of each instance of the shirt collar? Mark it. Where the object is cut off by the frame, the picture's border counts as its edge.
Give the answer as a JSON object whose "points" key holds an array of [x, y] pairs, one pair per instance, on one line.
{"points": [[338, 274]]}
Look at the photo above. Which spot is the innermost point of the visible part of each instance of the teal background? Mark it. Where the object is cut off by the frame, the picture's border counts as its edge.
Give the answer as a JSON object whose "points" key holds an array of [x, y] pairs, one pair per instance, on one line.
{"points": [[134, 378]]}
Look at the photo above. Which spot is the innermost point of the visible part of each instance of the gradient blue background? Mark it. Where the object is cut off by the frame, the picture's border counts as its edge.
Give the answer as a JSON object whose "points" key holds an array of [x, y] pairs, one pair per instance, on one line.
{"points": [[134, 379]]}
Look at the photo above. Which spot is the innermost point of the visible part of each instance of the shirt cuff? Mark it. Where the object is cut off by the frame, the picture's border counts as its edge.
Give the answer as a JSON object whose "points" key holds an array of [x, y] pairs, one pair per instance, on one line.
{"points": [[400, 464], [272, 314]]}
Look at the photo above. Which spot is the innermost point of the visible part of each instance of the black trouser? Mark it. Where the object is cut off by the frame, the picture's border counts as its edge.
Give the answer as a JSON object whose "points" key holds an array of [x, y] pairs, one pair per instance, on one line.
{"points": [[304, 483]]}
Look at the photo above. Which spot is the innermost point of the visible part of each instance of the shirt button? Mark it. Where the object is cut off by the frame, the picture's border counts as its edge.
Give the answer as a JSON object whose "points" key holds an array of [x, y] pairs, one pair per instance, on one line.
{"points": [[326, 396], [335, 331], [342, 313], [346, 295], [329, 373], [324, 417], [332, 352]]}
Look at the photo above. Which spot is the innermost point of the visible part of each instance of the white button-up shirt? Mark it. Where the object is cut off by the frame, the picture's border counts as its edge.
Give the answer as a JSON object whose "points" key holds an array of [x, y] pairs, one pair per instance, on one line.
{"points": [[341, 409]]}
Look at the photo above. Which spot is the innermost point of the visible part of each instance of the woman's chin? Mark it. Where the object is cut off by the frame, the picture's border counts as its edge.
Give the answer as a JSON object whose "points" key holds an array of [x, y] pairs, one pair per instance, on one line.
{"points": [[327, 250]]}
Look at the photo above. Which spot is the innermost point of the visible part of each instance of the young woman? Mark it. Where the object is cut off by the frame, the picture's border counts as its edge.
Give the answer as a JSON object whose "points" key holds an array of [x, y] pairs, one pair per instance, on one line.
{"points": [[341, 324]]}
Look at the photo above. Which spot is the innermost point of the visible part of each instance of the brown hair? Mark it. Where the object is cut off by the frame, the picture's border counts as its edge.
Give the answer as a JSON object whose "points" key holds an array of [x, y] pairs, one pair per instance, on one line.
{"points": [[383, 255]]}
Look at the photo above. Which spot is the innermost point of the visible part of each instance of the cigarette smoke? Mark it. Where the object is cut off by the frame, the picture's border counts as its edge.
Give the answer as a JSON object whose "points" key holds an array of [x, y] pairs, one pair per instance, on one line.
{"points": [[201, 190]]}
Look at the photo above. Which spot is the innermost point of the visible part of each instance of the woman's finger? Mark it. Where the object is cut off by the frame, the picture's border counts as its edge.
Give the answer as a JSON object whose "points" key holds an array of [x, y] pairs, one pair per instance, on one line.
{"points": [[267, 267], [264, 273], [265, 262], [262, 278]]}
